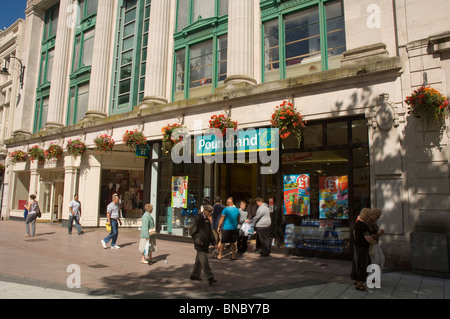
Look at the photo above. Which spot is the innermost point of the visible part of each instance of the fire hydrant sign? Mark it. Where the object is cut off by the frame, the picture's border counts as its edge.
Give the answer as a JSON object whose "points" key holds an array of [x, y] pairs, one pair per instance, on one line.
{"points": [[179, 191]]}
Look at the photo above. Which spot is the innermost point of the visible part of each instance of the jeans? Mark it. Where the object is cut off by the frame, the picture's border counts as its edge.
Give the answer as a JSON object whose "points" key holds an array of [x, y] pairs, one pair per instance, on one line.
{"points": [[114, 233], [31, 218], [77, 223]]}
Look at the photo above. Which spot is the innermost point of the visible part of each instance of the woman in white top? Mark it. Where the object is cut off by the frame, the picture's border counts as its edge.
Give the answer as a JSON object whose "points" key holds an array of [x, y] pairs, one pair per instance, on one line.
{"points": [[32, 208]]}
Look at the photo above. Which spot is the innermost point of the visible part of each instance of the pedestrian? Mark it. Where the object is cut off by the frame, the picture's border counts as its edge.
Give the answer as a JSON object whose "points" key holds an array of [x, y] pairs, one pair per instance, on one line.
{"points": [[362, 241], [33, 213], [113, 216], [203, 237], [243, 235], [147, 244], [375, 252], [216, 215], [75, 214], [262, 223], [228, 227]]}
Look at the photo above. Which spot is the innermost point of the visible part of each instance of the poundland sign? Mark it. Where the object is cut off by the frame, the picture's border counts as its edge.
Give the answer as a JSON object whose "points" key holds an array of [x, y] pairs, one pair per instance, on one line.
{"points": [[240, 141]]}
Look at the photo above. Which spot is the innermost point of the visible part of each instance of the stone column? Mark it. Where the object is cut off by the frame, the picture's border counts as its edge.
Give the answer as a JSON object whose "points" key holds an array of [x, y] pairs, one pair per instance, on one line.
{"points": [[32, 37], [101, 71], [89, 189], [240, 42], [70, 180], [157, 54], [60, 73]]}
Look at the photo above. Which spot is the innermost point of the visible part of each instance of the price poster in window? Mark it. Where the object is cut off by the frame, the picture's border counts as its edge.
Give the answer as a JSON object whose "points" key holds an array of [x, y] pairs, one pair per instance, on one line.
{"points": [[179, 191], [333, 197], [296, 194]]}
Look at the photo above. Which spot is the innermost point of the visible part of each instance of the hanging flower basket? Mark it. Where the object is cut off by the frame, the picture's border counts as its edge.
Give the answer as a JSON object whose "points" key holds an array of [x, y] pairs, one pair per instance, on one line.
{"points": [[133, 139], [104, 143], [428, 104], [168, 141], [54, 151], [2, 168], [222, 122], [76, 147], [36, 153], [19, 156], [289, 121]]}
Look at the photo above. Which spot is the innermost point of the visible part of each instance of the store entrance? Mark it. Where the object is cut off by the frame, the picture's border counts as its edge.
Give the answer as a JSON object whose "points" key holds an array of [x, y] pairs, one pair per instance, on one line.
{"points": [[239, 181]]}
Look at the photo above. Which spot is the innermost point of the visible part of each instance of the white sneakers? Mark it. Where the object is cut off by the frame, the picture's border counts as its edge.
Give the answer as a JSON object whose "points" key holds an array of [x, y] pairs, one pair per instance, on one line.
{"points": [[112, 247]]}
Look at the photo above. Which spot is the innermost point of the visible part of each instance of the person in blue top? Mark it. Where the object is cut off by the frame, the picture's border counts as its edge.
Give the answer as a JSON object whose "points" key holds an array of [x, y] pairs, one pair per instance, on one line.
{"points": [[229, 219]]}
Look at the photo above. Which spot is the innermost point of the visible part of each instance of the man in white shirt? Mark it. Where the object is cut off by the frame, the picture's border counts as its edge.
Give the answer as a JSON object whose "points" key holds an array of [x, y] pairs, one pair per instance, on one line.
{"points": [[75, 214], [113, 215]]}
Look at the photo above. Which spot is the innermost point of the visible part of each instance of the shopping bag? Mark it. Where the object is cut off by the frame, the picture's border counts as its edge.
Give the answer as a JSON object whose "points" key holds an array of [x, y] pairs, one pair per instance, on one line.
{"points": [[108, 226], [146, 248]]}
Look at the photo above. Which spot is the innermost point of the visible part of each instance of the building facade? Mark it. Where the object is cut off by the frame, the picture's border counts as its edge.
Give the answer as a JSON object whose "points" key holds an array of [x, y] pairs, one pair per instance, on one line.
{"points": [[105, 67]]}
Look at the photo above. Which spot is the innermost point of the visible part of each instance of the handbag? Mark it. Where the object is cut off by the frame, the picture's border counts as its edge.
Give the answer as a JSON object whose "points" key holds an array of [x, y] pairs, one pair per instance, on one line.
{"points": [[25, 213], [152, 232]]}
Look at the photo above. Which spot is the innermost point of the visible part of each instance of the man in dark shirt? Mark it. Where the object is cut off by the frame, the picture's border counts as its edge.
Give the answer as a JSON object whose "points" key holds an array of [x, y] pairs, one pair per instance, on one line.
{"points": [[216, 215]]}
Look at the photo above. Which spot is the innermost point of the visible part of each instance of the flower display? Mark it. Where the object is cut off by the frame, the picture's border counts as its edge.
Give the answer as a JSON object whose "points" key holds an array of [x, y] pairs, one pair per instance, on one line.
{"points": [[54, 151], [36, 153], [168, 141], [76, 147], [19, 156], [2, 168], [104, 143], [288, 120], [132, 139], [428, 104], [222, 122]]}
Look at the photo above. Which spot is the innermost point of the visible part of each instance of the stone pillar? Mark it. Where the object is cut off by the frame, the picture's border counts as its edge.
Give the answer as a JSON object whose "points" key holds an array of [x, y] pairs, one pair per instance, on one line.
{"points": [[240, 42], [70, 180], [63, 51], [101, 71], [157, 54], [89, 189], [24, 112]]}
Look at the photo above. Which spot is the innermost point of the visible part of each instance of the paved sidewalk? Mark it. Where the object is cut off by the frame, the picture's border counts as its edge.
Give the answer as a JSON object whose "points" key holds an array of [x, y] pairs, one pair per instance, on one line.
{"points": [[37, 268]]}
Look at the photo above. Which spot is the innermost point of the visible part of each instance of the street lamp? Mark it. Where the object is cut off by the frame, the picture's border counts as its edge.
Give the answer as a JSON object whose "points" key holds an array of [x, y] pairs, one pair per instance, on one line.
{"points": [[5, 71]]}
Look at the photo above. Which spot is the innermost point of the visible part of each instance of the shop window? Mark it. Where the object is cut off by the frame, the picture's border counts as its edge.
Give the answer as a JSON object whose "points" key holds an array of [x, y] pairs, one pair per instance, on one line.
{"points": [[21, 190], [129, 186], [325, 187]]}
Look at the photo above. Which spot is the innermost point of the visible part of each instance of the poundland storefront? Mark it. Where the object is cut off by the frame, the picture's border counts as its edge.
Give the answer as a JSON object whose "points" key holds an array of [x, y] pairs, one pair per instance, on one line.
{"points": [[314, 191]]}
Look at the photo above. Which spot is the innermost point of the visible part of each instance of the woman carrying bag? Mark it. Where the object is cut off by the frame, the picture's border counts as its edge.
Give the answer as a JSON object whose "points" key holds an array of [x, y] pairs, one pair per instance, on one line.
{"points": [[147, 243], [33, 213]]}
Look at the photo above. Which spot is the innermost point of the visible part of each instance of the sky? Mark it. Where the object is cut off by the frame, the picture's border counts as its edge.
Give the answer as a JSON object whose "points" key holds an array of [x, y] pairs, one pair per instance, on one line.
{"points": [[10, 11]]}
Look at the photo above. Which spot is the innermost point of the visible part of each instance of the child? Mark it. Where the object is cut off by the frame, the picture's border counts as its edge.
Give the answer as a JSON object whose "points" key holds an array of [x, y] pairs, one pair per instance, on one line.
{"points": [[202, 235], [147, 243]]}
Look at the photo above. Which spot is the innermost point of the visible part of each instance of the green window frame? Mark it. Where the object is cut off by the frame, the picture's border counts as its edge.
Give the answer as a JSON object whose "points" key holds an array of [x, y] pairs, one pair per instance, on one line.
{"points": [[296, 34], [201, 43], [46, 66], [130, 55], [82, 54]]}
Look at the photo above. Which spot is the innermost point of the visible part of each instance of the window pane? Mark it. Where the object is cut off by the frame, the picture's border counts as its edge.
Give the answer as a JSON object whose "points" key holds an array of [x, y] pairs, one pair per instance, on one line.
{"points": [[271, 51], [124, 86], [44, 112], [302, 37], [72, 105], [83, 97], [76, 57], [182, 14], [88, 49], [127, 57], [337, 133], [223, 7], [313, 136], [203, 9], [180, 67], [54, 22], [125, 72], [124, 99], [130, 4], [130, 15], [129, 29], [92, 7], [359, 131], [222, 58], [128, 43], [50, 65], [41, 76], [201, 64], [335, 32]]}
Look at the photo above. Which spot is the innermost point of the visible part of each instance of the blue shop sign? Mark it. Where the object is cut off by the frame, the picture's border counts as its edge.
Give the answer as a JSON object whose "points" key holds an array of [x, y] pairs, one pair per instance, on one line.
{"points": [[242, 141]]}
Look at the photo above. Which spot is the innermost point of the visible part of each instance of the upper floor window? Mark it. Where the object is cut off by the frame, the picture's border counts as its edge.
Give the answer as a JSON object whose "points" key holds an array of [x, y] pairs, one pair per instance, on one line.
{"points": [[302, 40], [130, 54], [200, 48]]}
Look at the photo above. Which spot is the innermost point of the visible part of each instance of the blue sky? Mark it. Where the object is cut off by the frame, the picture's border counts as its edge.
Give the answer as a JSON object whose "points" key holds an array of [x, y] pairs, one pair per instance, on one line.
{"points": [[10, 11]]}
